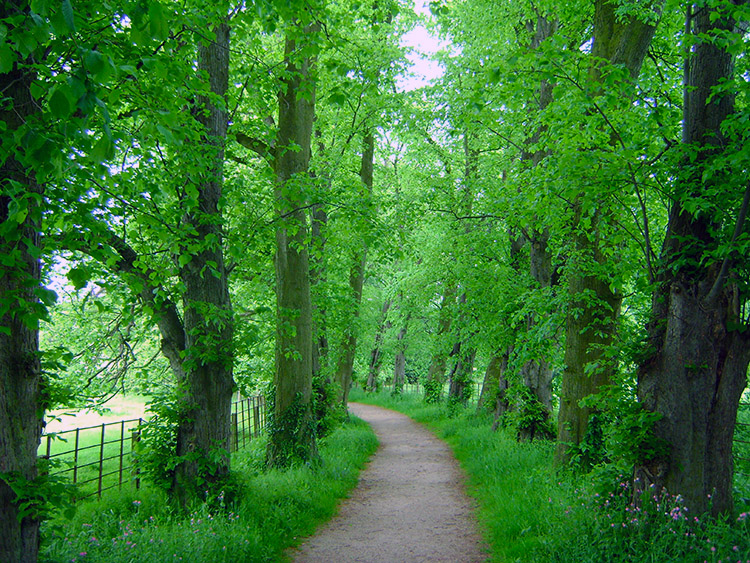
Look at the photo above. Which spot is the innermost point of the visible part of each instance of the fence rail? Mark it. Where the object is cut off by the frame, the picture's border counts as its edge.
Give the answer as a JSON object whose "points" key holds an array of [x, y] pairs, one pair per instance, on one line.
{"points": [[98, 458]]}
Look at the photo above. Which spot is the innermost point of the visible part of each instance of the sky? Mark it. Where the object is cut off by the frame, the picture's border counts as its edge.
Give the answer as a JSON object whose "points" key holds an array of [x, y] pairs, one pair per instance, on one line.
{"points": [[423, 45]]}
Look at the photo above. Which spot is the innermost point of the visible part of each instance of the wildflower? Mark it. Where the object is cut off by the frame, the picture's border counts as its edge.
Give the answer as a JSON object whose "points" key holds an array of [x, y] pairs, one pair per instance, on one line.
{"points": [[136, 503], [82, 554], [87, 525]]}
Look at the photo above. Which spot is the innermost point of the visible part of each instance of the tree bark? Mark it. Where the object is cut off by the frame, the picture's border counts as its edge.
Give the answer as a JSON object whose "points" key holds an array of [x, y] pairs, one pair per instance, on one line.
{"points": [[501, 403], [292, 431], [318, 277], [376, 355], [698, 341], [594, 304], [204, 428], [399, 361], [21, 401], [433, 386]]}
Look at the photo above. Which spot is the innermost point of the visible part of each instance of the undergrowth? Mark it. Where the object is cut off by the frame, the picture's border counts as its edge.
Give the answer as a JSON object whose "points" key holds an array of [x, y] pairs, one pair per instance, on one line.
{"points": [[273, 511], [530, 513]]}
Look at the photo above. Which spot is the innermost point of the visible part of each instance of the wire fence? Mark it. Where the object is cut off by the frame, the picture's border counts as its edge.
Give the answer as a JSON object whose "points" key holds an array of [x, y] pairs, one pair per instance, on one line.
{"points": [[101, 457]]}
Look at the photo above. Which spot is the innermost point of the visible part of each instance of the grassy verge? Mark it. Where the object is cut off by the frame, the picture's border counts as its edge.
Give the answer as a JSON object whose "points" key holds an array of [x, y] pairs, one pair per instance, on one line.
{"points": [[529, 513], [272, 512]]}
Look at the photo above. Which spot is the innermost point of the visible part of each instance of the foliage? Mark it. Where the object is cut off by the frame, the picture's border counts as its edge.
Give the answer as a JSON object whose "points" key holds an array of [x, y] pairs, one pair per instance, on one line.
{"points": [[291, 436], [527, 415], [44, 496], [156, 451], [271, 511], [620, 435]]}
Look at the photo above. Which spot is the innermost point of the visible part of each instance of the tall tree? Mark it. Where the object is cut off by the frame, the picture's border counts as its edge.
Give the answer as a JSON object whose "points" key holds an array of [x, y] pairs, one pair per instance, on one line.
{"points": [[698, 343], [208, 319], [348, 347], [594, 302], [21, 393], [292, 433]]}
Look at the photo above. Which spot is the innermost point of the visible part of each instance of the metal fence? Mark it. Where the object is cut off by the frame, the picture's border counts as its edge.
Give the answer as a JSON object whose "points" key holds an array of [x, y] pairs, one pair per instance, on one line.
{"points": [[741, 450], [98, 458]]}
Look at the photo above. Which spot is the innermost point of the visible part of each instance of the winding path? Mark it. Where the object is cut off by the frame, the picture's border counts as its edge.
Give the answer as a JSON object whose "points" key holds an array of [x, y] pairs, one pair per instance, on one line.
{"points": [[409, 505]]}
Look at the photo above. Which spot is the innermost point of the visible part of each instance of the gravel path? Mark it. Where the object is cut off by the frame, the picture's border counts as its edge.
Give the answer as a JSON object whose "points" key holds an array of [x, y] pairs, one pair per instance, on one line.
{"points": [[409, 506]]}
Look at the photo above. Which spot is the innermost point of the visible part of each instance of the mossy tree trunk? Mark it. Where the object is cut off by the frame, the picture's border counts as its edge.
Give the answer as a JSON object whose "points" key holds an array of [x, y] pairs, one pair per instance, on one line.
{"points": [[21, 401], [292, 429], [594, 303], [204, 427], [348, 349], [699, 343]]}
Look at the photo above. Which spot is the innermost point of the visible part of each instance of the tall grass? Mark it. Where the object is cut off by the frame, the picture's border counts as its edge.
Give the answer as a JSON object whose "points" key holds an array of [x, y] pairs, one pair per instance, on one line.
{"points": [[272, 511], [529, 512]]}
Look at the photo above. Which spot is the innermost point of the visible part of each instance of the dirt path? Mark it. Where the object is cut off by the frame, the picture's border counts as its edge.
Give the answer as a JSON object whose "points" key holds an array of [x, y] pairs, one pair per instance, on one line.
{"points": [[409, 505]]}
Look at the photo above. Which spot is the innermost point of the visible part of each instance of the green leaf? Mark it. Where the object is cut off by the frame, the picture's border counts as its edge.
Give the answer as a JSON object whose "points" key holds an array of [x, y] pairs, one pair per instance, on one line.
{"points": [[59, 103], [68, 15], [184, 260], [95, 62], [158, 23], [7, 58], [79, 277]]}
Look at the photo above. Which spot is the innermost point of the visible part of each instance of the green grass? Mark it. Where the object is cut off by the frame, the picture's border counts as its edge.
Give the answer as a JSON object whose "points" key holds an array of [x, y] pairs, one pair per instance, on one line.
{"points": [[529, 513], [273, 510]]}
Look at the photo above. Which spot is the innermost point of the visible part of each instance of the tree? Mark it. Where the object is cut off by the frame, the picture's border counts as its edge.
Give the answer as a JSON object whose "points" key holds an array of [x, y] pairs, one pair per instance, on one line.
{"points": [[348, 347], [695, 365], [594, 301], [292, 432], [204, 430], [21, 386]]}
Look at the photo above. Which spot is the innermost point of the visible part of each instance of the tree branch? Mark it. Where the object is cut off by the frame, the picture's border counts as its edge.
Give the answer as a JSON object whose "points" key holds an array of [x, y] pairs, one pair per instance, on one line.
{"points": [[724, 272], [259, 147]]}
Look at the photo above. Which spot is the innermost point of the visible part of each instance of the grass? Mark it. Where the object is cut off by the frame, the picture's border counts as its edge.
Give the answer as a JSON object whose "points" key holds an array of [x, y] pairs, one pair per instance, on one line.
{"points": [[272, 511], [529, 513]]}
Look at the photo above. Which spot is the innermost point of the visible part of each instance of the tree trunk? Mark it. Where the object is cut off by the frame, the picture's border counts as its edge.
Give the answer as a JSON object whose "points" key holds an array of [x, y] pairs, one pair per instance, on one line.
{"points": [[698, 341], [399, 361], [317, 277], [292, 430], [21, 402], [204, 429], [594, 305], [433, 386], [348, 350], [462, 377], [501, 403], [376, 355]]}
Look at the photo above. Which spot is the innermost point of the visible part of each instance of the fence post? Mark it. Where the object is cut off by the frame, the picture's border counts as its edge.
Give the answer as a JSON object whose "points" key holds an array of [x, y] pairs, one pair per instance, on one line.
{"points": [[122, 447], [135, 437], [75, 457], [101, 462], [244, 422], [256, 416], [233, 434]]}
